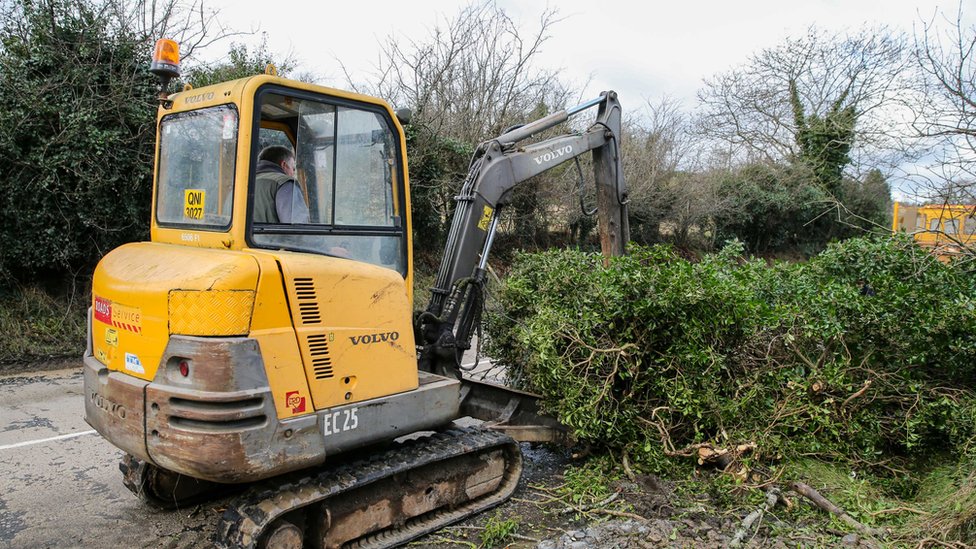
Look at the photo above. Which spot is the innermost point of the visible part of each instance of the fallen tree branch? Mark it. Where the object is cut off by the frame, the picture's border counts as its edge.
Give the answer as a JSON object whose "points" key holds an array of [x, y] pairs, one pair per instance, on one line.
{"points": [[585, 508], [621, 514], [827, 505], [847, 401], [722, 457], [627, 470], [935, 542], [899, 510], [771, 497]]}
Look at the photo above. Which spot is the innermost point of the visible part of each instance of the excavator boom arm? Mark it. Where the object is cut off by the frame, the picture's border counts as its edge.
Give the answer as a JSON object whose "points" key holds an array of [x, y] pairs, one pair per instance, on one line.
{"points": [[499, 165]]}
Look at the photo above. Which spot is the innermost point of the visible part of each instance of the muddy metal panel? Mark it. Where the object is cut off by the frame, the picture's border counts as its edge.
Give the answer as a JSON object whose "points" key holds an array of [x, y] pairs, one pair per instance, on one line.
{"points": [[218, 421], [434, 403], [239, 439], [114, 406]]}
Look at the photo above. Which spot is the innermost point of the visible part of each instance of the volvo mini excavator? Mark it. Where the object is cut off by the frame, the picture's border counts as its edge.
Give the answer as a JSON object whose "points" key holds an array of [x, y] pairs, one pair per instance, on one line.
{"points": [[286, 357]]}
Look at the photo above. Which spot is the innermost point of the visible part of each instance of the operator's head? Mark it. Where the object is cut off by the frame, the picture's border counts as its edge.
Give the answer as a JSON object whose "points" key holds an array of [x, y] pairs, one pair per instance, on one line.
{"points": [[282, 156]]}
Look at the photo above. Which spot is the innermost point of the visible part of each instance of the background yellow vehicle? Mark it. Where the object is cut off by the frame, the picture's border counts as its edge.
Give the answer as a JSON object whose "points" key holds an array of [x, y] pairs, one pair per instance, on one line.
{"points": [[228, 351], [945, 228]]}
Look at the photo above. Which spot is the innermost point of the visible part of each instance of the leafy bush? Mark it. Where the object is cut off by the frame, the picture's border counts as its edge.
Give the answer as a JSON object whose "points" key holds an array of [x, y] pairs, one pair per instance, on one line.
{"points": [[785, 208], [76, 129], [864, 354], [769, 207]]}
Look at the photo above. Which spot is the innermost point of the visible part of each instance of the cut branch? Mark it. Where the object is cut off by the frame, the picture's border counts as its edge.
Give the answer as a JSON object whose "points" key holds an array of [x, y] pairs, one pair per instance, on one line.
{"points": [[772, 496], [827, 505], [867, 384]]}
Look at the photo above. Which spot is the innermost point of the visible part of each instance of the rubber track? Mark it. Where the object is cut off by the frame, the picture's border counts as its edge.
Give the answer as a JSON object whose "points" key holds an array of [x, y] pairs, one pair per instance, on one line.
{"points": [[251, 513]]}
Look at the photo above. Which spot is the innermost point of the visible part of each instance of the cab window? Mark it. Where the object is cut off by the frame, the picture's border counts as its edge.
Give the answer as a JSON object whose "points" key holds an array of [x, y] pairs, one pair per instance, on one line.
{"points": [[273, 135], [197, 158], [969, 226], [340, 192], [951, 226]]}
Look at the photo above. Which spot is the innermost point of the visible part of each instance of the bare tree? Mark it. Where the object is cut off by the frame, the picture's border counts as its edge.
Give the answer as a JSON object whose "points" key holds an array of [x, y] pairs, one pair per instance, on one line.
{"points": [[752, 107], [191, 23], [945, 51], [467, 81], [665, 139], [656, 144], [473, 74], [673, 198]]}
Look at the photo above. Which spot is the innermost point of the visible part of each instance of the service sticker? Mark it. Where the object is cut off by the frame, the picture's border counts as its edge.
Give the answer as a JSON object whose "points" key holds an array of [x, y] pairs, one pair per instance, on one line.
{"points": [[193, 203], [485, 218], [117, 316], [127, 318], [133, 364]]}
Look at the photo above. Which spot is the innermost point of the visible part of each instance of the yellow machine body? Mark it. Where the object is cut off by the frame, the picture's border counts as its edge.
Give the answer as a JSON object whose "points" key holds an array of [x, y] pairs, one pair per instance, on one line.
{"points": [[332, 330]]}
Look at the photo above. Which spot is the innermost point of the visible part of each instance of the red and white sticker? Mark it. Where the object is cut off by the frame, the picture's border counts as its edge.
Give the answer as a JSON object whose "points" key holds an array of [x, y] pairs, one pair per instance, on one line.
{"points": [[103, 310], [117, 315]]}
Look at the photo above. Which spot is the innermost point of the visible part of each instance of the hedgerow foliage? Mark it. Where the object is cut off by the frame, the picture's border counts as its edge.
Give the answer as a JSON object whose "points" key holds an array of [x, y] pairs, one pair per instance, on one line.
{"points": [[864, 354], [76, 130]]}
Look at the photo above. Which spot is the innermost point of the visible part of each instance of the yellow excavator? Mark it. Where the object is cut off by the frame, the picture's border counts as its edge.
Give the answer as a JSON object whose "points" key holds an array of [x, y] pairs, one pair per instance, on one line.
{"points": [[234, 350]]}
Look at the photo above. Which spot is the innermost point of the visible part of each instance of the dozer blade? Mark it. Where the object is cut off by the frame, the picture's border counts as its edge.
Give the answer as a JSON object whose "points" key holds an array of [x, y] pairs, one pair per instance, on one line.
{"points": [[381, 501]]}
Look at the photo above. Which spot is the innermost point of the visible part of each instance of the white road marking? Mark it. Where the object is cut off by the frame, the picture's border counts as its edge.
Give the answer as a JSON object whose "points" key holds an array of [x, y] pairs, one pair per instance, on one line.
{"points": [[59, 437]]}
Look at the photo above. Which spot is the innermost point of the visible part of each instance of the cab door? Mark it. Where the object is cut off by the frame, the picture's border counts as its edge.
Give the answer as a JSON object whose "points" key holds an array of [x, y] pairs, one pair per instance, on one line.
{"points": [[346, 270]]}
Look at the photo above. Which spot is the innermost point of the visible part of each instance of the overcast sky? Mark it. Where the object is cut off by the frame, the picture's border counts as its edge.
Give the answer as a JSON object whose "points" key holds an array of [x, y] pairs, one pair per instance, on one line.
{"points": [[641, 49]]}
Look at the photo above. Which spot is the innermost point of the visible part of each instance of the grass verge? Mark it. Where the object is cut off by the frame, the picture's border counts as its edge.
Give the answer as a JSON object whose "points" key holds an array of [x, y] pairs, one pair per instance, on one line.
{"points": [[40, 327]]}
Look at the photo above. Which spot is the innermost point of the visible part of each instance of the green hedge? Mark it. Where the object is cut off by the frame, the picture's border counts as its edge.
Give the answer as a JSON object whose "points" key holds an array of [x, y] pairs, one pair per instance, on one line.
{"points": [[658, 352], [77, 107]]}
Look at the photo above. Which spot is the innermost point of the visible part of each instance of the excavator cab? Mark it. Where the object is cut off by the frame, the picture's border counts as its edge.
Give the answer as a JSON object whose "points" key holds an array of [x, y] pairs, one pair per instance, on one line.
{"points": [[349, 171]]}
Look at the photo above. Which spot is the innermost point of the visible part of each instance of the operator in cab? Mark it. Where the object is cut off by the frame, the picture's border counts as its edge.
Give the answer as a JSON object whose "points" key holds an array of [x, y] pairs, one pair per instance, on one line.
{"points": [[277, 195]]}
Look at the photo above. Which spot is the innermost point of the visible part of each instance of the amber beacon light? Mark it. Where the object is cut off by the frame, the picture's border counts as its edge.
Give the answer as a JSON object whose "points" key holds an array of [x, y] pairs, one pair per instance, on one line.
{"points": [[166, 59], [166, 66]]}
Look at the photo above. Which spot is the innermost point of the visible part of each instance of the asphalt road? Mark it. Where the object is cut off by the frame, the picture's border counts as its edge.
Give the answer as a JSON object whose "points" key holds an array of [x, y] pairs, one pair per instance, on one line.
{"points": [[60, 484]]}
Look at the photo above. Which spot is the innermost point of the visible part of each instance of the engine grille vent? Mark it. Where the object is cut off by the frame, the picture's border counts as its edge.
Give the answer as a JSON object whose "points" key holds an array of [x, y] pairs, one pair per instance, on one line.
{"points": [[318, 349], [308, 303]]}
